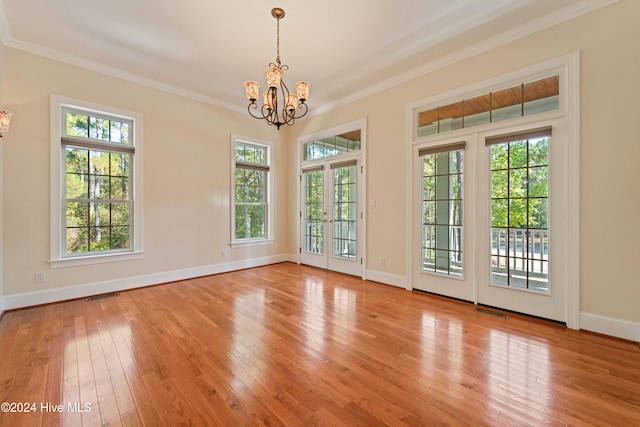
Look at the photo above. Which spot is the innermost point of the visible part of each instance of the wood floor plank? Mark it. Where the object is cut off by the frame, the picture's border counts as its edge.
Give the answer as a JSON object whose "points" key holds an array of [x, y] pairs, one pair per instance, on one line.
{"points": [[297, 346]]}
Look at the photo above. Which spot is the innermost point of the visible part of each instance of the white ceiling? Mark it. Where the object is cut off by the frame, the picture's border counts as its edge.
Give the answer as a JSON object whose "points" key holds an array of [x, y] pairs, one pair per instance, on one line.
{"points": [[206, 49]]}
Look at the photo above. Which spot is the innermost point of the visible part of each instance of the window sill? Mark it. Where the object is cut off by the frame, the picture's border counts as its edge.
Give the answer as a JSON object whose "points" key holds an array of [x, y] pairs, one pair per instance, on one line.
{"points": [[255, 242], [94, 259]]}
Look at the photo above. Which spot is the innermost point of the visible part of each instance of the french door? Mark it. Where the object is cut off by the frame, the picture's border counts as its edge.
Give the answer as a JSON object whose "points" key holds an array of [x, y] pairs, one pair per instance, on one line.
{"points": [[444, 253], [491, 214], [331, 215], [523, 210]]}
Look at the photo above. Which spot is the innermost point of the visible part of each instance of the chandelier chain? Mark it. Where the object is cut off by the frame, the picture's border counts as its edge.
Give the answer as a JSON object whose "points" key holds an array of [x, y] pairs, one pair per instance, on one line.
{"points": [[278, 42]]}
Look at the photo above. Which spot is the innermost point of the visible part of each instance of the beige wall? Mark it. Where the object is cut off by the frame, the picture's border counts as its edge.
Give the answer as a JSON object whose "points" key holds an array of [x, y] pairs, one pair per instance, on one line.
{"points": [[186, 175], [1, 187], [610, 146]]}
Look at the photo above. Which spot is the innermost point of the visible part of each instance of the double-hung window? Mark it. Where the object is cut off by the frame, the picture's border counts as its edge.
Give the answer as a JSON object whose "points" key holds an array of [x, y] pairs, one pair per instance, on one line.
{"points": [[94, 207], [251, 191]]}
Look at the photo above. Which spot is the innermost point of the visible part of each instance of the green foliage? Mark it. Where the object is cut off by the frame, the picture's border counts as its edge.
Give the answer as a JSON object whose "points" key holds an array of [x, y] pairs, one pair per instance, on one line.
{"points": [[442, 188], [248, 153], [87, 126], [97, 191], [250, 192], [344, 197], [250, 221], [314, 191], [520, 184], [442, 184], [77, 125]]}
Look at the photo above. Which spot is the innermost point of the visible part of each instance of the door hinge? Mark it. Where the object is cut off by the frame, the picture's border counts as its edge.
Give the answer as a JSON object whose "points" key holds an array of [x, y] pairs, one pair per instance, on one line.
{"points": [[300, 250], [360, 261], [361, 215]]}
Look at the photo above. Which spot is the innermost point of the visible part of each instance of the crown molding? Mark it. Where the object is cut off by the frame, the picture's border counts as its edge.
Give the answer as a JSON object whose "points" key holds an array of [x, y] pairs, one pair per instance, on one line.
{"points": [[532, 27], [529, 28], [66, 58]]}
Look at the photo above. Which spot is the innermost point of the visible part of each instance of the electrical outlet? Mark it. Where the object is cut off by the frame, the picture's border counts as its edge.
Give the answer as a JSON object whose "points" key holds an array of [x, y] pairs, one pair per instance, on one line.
{"points": [[382, 261], [224, 253], [40, 277]]}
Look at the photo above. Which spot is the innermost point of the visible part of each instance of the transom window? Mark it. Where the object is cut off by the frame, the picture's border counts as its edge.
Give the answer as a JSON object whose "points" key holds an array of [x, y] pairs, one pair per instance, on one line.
{"points": [[332, 146], [517, 101]]}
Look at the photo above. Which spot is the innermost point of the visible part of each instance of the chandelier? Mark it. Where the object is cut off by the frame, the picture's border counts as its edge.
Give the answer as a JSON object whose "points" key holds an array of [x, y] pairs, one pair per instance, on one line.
{"points": [[280, 106], [5, 121]]}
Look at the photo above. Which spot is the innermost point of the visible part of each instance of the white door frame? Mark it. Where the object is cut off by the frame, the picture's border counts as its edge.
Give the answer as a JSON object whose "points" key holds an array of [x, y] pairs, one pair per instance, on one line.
{"points": [[360, 156], [464, 287], [567, 67], [549, 305], [327, 259]]}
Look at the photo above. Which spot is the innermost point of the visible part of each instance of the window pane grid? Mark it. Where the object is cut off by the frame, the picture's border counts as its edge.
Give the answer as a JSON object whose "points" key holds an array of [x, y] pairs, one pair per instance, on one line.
{"points": [[314, 215], [250, 154], [519, 214], [90, 126], [98, 202], [250, 186], [96, 225], [517, 101], [442, 230], [250, 191], [332, 146], [345, 213]]}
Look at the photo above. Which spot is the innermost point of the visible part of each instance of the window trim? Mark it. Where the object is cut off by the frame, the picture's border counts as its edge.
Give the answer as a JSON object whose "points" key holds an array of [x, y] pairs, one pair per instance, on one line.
{"points": [[568, 67], [57, 166], [269, 199]]}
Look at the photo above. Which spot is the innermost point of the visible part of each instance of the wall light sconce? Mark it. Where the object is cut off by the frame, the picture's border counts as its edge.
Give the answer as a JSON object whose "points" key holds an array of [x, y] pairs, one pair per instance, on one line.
{"points": [[5, 121]]}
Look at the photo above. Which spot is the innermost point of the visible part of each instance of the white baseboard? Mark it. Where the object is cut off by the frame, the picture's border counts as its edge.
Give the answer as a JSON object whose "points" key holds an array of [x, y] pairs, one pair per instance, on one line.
{"points": [[387, 279], [28, 299], [612, 326]]}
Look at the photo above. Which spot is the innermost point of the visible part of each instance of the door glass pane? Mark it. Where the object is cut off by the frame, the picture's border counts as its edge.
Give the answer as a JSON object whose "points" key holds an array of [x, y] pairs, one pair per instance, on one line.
{"points": [[313, 215], [344, 212], [442, 213], [519, 212]]}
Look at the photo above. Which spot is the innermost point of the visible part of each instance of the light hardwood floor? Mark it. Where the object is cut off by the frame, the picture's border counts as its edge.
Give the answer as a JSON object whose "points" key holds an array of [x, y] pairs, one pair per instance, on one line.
{"points": [[292, 345]]}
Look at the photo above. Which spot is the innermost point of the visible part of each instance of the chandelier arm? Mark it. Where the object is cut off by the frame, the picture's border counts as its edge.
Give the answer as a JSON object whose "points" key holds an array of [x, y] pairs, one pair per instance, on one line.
{"points": [[302, 105], [284, 90], [254, 106]]}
